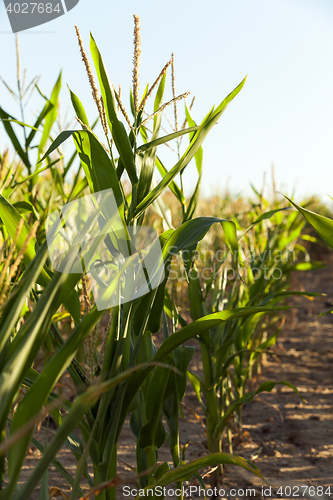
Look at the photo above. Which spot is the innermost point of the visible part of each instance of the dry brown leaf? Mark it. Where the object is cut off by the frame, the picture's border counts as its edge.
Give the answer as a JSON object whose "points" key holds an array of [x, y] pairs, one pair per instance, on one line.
{"points": [[57, 492]]}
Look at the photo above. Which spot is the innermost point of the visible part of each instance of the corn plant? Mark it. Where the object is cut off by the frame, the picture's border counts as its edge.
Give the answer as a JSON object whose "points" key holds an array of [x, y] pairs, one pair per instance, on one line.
{"points": [[231, 351], [271, 249], [321, 224]]}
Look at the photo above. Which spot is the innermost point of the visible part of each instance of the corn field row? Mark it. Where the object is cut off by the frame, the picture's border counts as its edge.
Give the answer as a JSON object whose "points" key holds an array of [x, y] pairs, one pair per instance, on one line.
{"points": [[137, 269]]}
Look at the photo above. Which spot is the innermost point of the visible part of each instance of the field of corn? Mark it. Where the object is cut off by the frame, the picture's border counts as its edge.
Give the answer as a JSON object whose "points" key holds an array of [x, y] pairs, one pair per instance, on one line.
{"points": [[150, 339]]}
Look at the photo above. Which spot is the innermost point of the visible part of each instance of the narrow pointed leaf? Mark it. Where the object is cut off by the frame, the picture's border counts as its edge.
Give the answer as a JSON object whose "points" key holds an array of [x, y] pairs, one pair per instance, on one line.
{"points": [[51, 116], [323, 225], [5, 117], [79, 109], [165, 138]]}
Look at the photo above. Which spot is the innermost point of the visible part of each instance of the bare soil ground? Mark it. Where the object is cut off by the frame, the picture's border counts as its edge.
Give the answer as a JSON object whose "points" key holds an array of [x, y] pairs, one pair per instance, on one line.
{"points": [[289, 440], [294, 439]]}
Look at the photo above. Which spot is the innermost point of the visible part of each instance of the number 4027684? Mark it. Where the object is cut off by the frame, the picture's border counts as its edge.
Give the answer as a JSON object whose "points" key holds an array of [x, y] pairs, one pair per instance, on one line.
{"points": [[304, 491], [30, 8]]}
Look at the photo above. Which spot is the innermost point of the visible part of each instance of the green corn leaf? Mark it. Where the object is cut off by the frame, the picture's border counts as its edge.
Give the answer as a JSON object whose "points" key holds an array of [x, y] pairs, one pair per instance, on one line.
{"points": [[155, 317], [37, 172], [69, 164], [323, 225], [198, 386], [162, 209], [25, 207], [47, 108], [172, 185], [195, 294], [199, 155], [230, 236], [77, 189], [325, 312], [153, 433], [307, 237], [182, 355], [166, 138], [148, 160], [51, 116], [267, 386], [193, 201], [306, 266], [79, 109], [269, 214], [203, 324], [154, 322], [146, 175], [171, 310], [5, 117], [162, 469], [158, 101], [194, 230], [283, 294], [12, 120], [263, 216], [185, 472], [97, 165], [223, 351], [44, 487], [62, 137], [290, 236]]}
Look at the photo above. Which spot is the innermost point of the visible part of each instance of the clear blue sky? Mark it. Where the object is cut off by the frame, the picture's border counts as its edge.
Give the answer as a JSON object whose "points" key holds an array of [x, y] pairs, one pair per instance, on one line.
{"points": [[284, 114]]}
